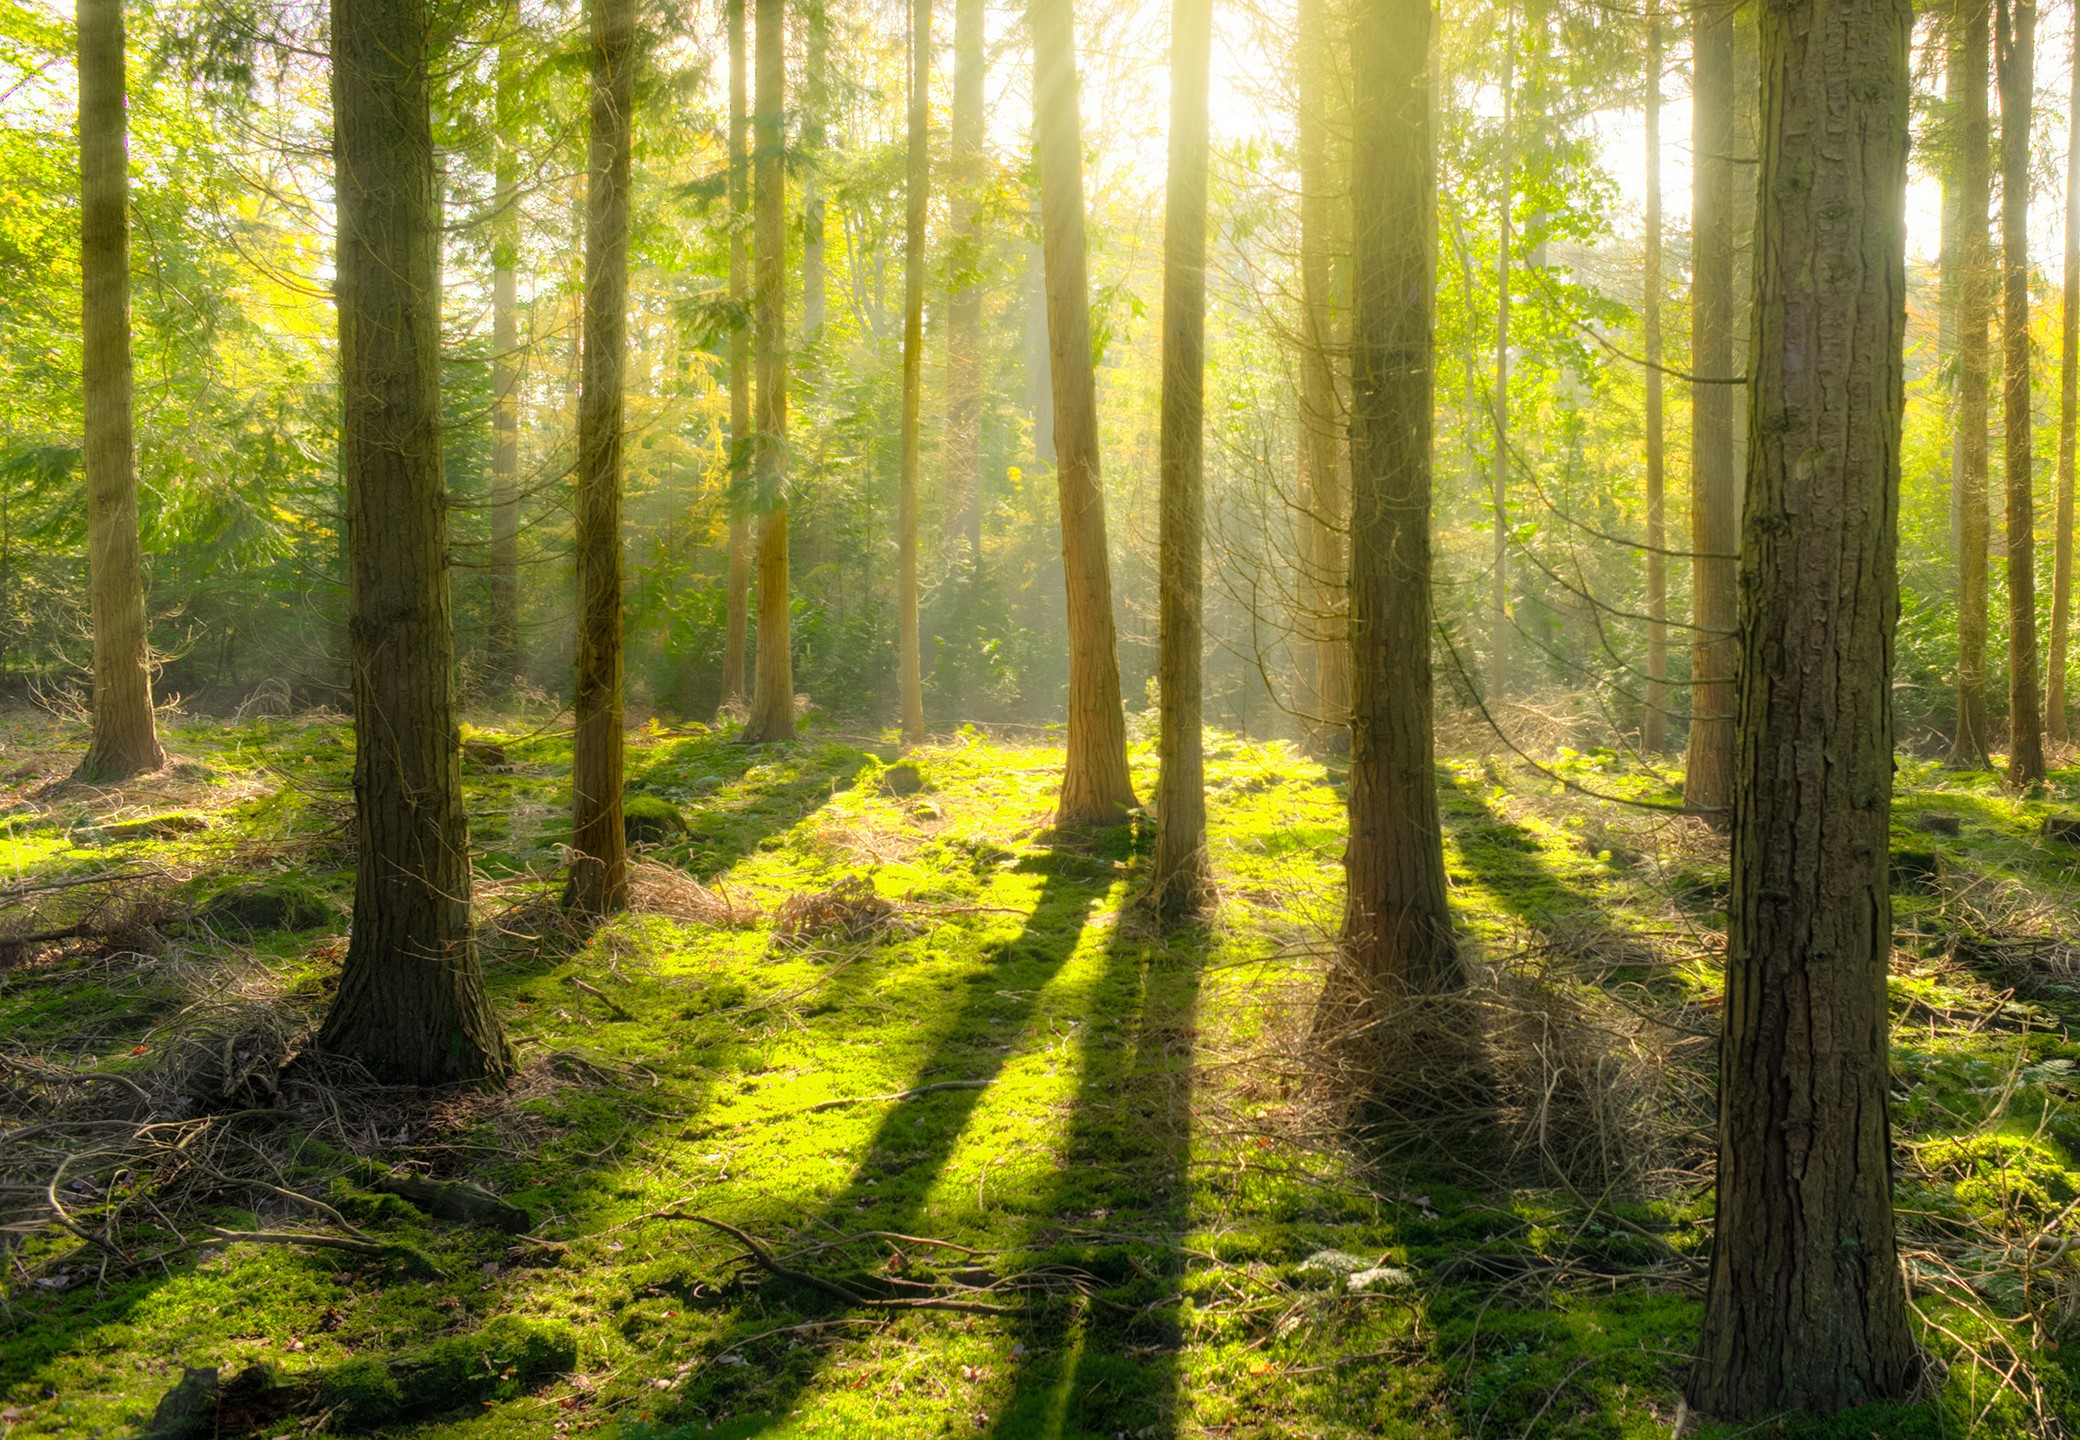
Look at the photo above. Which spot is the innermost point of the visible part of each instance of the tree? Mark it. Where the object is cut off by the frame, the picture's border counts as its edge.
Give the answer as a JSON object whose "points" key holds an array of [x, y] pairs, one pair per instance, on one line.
{"points": [[737, 600], [1182, 879], [2055, 704], [1654, 723], [1968, 743], [917, 194], [772, 695], [1322, 451], [411, 1003], [598, 877], [964, 298], [1714, 600], [504, 635], [1805, 1307], [2015, 53], [1498, 564], [1096, 788], [1397, 927], [816, 99], [124, 741]]}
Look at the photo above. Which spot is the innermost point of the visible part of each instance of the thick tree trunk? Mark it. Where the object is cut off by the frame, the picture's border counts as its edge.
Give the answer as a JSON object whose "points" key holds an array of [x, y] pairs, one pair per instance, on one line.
{"points": [[1969, 743], [1182, 878], [772, 697], [918, 187], [411, 1003], [1714, 534], [1096, 789], [815, 105], [1806, 1306], [1397, 928], [1654, 722], [504, 638], [2055, 727], [1323, 503], [964, 297], [1498, 572], [598, 880], [2016, 40], [124, 741], [737, 601]]}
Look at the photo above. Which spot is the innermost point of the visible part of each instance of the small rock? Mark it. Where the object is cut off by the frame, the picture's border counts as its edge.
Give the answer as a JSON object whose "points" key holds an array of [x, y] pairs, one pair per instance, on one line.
{"points": [[261, 907], [647, 820], [903, 779], [489, 754], [2062, 827], [1932, 822]]}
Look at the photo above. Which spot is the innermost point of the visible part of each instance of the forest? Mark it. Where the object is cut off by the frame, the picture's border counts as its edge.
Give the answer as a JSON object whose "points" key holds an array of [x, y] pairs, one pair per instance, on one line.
{"points": [[1076, 718]]}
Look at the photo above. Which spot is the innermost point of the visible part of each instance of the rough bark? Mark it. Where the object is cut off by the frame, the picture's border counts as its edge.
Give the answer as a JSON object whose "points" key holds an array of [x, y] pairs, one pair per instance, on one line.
{"points": [[964, 292], [504, 637], [124, 740], [1654, 722], [1969, 742], [1181, 881], [772, 697], [1096, 788], [411, 1003], [1498, 573], [1805, 1307], [1714, 606], [2055, 719], [2015, 49], [917, 189], [1397, 929], [598, 874], [737, 600]]}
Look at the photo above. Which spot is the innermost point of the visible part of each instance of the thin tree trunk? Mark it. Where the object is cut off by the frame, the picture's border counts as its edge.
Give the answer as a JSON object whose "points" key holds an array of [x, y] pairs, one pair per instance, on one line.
{"points": [[124, 741], [1805, 1308], [1969, 744], [598, 879], [1498, 575], [1654, 723], [1182, 878], [505, 374], [411, 1003], [1714, 536], [964, 297], [815, 106], [1322, 500], [1950, 288], [2055, 727], [735, 620], [1096, 788], [772, 697], [2016, 44], [918, 194], [1397, 927], [1039, 358]]}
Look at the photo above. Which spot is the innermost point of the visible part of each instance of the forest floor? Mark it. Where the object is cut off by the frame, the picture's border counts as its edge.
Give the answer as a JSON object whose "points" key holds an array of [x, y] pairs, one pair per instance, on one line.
{"points": [[916, 1047]]}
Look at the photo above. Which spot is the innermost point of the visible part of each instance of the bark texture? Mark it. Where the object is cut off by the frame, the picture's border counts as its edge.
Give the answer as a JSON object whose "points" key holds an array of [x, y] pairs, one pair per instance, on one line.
{"points": [[1806, 1306], [598, 877], [125, 740], [1654, 721], [737, 600], [2055, 704], [2016, 42], [1182, 878], [1969, 743], [411, 1003], [1397, 928], [917, 189], [1096, 789], [964, 292], [772, 696], [1714, 536]]}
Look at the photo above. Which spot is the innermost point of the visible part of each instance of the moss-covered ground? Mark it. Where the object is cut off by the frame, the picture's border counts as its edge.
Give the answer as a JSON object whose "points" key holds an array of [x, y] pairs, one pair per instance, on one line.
{"points": [[1019, 1098]]}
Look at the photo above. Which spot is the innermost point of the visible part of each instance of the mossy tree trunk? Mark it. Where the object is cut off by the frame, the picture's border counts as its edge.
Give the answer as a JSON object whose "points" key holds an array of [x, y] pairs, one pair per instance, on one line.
{"points": [[1969, 740], [917, 194], [1096, 788], [411, 1003], [598, 877], [1805, 1306], [2016, 46], [124, 740], [737, 600], [1182, 880], [1397, 928]]}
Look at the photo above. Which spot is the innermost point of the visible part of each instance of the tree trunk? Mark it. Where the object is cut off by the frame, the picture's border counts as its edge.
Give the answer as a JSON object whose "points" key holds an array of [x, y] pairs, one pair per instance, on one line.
{"points": [[1096, 788], [772, 698], [124, 741], [2055, 727], [1039, 358], [505, 375], [738, 596], [1397, 928], [1969, 744], [1322, 500], [1498, 573], [1805, 1307], [1951, 263], [815, 105], [1714, 535], [599, 862], [1182, 879], [2016, 42], [411, 1003], [964, 297], [1654, 722], [918, 193]]}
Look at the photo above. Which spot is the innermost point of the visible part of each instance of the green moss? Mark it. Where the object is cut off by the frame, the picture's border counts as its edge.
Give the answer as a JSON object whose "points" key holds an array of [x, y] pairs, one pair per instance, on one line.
{"points": [[647, 820], [280, 904]]}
